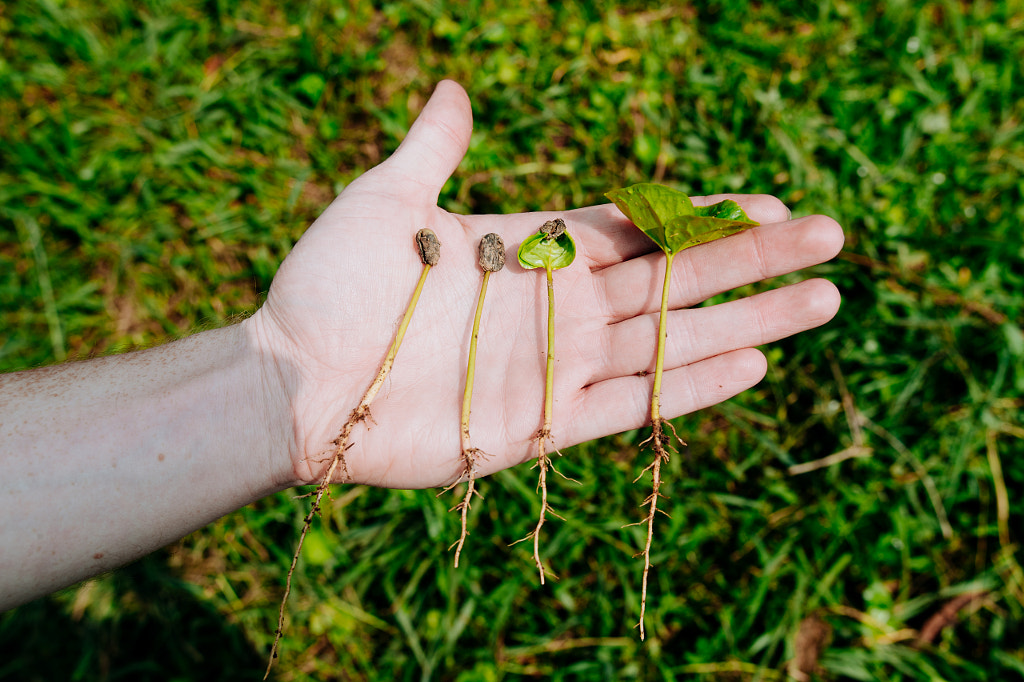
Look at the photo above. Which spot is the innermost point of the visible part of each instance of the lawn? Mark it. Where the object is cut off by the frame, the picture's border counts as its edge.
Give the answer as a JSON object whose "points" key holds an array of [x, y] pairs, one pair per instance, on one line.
{"points": [[159, 159]]}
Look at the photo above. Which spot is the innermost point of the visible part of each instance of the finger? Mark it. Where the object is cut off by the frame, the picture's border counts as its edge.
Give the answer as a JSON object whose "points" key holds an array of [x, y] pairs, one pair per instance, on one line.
{"points": [[630, 346], [435, 145], [609, 237], [634, 286], [624, 403]]}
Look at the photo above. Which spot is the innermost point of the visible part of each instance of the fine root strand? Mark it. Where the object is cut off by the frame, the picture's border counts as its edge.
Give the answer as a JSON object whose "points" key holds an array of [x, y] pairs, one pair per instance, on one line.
{"points": [[469, 460], [660, 442], [543, 464], [360, 414]]}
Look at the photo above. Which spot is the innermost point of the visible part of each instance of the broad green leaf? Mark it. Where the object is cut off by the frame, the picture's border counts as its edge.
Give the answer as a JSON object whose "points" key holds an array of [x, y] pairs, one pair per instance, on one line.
{"points": [[726, 210], [650, 207], [690, 230], [669, 218], [540, 251]]}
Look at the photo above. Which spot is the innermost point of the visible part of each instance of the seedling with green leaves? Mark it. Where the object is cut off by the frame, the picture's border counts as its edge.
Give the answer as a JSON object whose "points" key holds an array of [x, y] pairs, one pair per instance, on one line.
{"points": [[430, 253], [491, 259], [552, 248], [671, 220]]}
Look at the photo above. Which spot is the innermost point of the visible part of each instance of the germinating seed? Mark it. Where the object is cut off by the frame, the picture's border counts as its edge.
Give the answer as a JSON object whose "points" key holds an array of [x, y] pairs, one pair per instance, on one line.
{"points": [[429, 246], [492, 253]]}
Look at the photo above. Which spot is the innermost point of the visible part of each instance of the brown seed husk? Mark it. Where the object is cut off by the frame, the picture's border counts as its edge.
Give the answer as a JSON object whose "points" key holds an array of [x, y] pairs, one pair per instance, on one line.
{"points": [[553, 228], [429, 246], [492, 253]]}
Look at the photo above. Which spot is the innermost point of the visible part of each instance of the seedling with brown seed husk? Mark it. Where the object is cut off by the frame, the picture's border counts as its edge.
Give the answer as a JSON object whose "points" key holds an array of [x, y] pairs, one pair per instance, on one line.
{"points": [[491, 259], [671, 220], [430, 253], [552, 248]]}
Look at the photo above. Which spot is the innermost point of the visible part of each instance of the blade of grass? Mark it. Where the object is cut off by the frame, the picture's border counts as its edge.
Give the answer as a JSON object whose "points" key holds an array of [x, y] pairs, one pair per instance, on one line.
{"points": [[32, 241]]}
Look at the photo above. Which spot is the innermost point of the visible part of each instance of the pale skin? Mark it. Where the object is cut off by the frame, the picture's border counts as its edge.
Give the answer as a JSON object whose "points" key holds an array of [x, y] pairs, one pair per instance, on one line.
{"points": [[106, 460]]}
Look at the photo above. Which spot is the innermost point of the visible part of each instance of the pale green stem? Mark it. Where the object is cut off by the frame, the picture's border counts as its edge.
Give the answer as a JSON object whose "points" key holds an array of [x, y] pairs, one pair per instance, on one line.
{"points": [[467, 400], [659, 367], [545, 432], [389, 360], [549, 378], [467, 397]]}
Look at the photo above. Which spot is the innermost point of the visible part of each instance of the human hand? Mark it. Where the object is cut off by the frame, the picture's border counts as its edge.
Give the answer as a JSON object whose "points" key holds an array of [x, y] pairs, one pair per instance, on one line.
{"points": [[335, 304]]}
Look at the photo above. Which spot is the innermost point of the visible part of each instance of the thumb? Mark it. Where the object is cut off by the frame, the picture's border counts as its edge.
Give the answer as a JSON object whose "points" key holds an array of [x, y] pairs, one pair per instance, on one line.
{"points": [[436, 143]]}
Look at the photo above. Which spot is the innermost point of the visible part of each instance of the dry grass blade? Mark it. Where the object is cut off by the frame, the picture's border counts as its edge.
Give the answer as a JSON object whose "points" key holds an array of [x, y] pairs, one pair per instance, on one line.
{"points": [[946, 616]]}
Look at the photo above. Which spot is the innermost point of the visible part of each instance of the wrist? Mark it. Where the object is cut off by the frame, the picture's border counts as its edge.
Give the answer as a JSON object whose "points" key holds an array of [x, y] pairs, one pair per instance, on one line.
{"points": [[276, 383]]}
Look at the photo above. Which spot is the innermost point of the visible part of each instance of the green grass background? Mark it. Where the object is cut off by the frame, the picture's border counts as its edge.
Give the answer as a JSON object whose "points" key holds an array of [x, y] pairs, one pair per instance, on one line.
{"points": [[159, 159]]}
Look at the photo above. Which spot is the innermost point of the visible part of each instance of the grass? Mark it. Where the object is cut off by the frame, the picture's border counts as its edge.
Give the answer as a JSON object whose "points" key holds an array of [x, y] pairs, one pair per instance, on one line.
{"points": [[159, 159]]}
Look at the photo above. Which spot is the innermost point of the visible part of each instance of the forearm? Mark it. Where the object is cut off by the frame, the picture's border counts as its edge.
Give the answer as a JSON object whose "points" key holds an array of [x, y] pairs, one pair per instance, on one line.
{"points": [[105, 460]]}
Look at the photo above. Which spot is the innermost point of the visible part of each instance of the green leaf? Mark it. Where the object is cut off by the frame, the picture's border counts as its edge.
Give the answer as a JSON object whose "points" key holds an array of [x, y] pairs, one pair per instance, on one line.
{"points": [[651, 207], [671, 220], [541, 251], [726, 210], [688, 230]]}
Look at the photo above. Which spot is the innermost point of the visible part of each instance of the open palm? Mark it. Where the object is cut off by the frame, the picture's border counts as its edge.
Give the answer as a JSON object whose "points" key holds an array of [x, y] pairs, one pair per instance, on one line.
{"points": [[336, 303]]}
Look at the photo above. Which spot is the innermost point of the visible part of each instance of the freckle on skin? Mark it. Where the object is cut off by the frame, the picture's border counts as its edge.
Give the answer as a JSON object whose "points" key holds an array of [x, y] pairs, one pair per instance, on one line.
{"points": [[161, 457], [97, 555]]}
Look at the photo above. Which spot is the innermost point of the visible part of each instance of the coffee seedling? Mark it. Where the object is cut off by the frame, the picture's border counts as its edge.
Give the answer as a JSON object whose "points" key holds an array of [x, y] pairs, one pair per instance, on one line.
{"points": [[552, 248], [430, 253], [671, 220], [491, 259]]}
